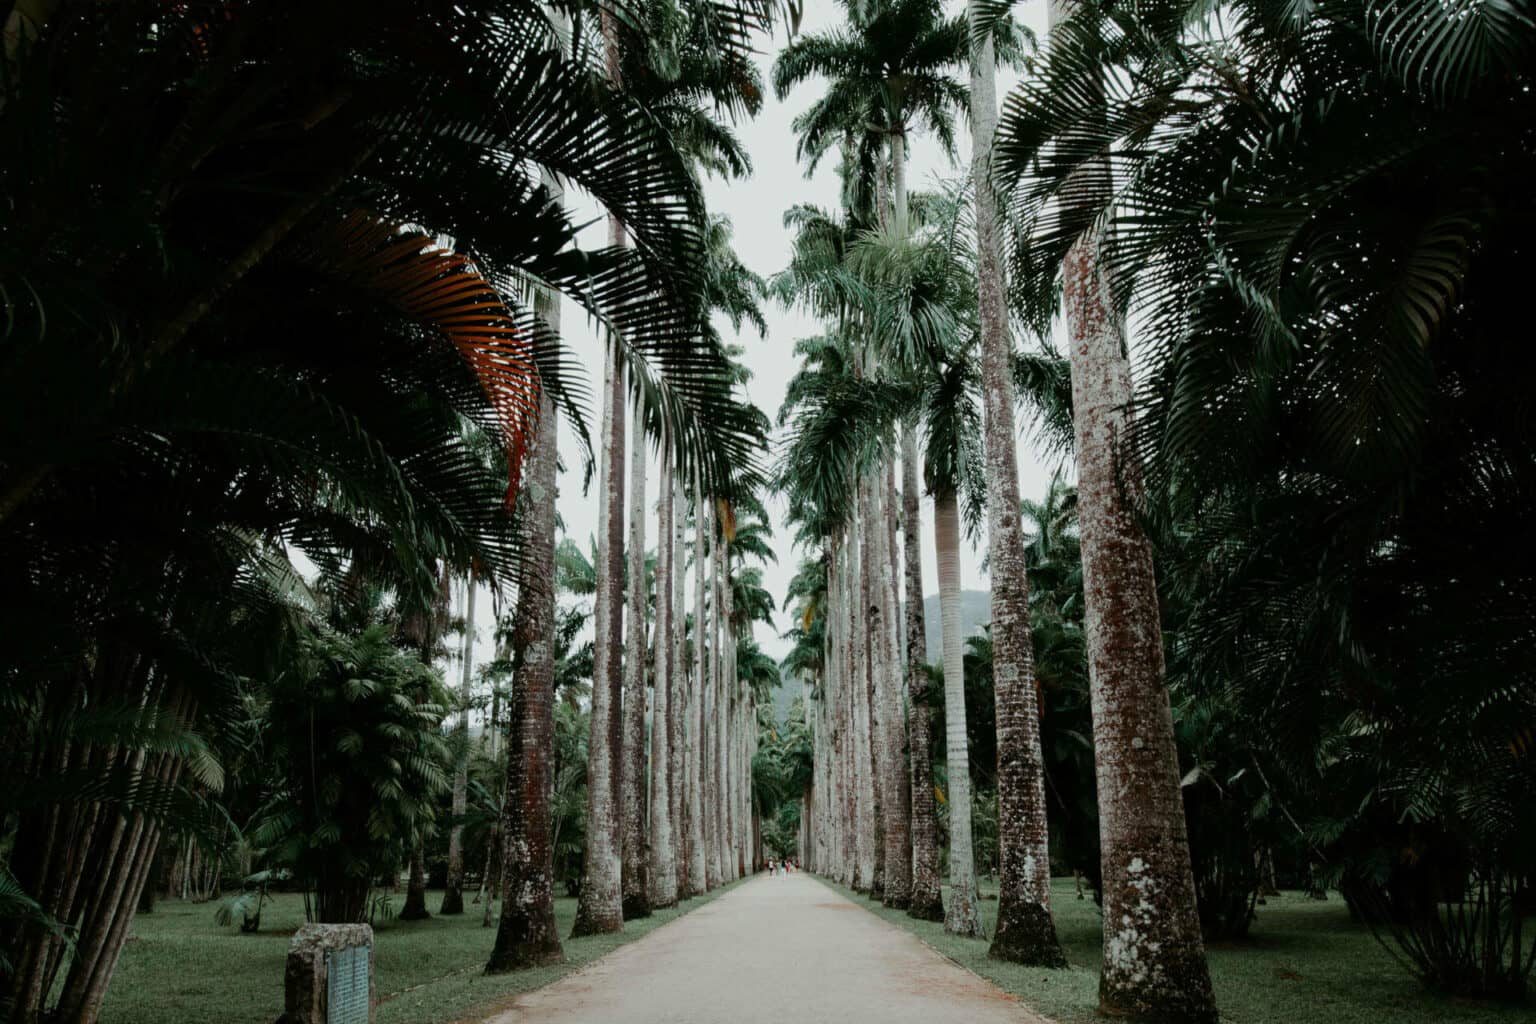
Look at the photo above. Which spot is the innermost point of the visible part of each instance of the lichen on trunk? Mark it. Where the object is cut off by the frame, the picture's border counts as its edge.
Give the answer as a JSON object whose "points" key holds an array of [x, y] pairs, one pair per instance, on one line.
{"points": [[526, 934], [1024, 933], [926, 902], [636, 860], [1154, 957]]}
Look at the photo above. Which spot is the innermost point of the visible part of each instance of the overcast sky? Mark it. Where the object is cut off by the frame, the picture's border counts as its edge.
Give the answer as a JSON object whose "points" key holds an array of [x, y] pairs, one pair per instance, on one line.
{"points": [[755, 206]]}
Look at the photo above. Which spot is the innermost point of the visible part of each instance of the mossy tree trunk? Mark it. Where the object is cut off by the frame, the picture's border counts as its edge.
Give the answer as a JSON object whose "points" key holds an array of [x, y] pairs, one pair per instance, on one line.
{"points": [[1025, 932]]}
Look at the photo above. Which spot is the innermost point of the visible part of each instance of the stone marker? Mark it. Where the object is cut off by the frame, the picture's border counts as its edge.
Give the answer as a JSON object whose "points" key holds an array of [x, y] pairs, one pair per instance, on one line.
{"points": [[329, 979]]}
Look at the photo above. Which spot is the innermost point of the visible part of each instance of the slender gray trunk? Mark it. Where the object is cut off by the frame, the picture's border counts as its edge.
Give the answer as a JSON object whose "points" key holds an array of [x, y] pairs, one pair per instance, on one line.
{"points": [[961, 917], [896, 814], [708, 771], [453, 892], [1025, 932], [636, 884], [853, 670], [926, 901], [724, 698], [875, 628], [415, 906], [699, 876], [862, 795], [677, 688], [600, 906], [663, 866]]}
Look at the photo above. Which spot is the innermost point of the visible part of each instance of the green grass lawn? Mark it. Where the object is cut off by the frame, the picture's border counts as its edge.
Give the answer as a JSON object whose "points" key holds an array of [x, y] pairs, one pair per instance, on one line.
{"points": [[180, 967], [1304, 963]]}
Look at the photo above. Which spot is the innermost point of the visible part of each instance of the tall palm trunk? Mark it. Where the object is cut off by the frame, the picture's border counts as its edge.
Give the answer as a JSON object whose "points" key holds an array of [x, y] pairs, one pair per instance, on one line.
{"points": [[862, 794], [896, 815], [1024, 933], [746, 833], [600, 905], [724, 697], [711, 732], [490, 876], [678, 702], [926, 902], [453, 892], [961, 917], [875, 628], [663, 864], [599, 908], [699, 877], [853, 671], [415, 906], [527, 935], [1154, 958], [636, 884]]}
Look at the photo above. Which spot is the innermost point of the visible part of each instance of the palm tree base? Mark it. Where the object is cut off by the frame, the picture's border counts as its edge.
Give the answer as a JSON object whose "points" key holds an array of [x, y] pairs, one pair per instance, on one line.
{"points": [[961, 917], [636, 907], [524, 956], [1174, 997], [453, 901], [926, 908], [1026, 935], [588, 925]]}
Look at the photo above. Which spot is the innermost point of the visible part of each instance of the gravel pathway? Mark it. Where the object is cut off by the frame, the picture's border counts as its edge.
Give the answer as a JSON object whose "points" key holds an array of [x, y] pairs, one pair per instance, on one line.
{"points": [[776, 949]]}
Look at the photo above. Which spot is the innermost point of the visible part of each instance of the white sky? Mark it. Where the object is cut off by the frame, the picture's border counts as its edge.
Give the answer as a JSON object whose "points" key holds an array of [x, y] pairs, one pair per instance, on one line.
{"points": [[755, 207]]}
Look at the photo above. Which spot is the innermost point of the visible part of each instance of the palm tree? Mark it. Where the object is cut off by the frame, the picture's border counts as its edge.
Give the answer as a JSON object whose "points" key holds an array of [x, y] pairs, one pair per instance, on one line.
{"points": [[301, 370], [703, 874], [662, 849], [635, 883], [823, 464], [1148, 881], [343, 720], [926, 902], [675, 85], [680, 722], [951, 467], [839, 426], [453, 890], [1025, 932], [887, 75], [748, 602], [1290, 404], [1154, 964], [526, 934], [600, 908], [713, 770]]}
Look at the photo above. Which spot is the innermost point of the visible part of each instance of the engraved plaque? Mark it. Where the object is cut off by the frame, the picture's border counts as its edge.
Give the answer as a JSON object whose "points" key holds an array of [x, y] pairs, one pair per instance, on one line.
{"points": [[346, 984]]}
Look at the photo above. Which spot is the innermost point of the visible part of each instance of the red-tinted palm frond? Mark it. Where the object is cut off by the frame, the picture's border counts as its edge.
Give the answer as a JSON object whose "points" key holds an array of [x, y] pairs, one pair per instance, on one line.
{"points": [[443, 291]]}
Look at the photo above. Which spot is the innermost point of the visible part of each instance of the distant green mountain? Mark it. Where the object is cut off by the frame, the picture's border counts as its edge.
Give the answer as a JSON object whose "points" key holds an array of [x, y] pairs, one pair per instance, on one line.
{"points": [[784, 695], [975, 612]]}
